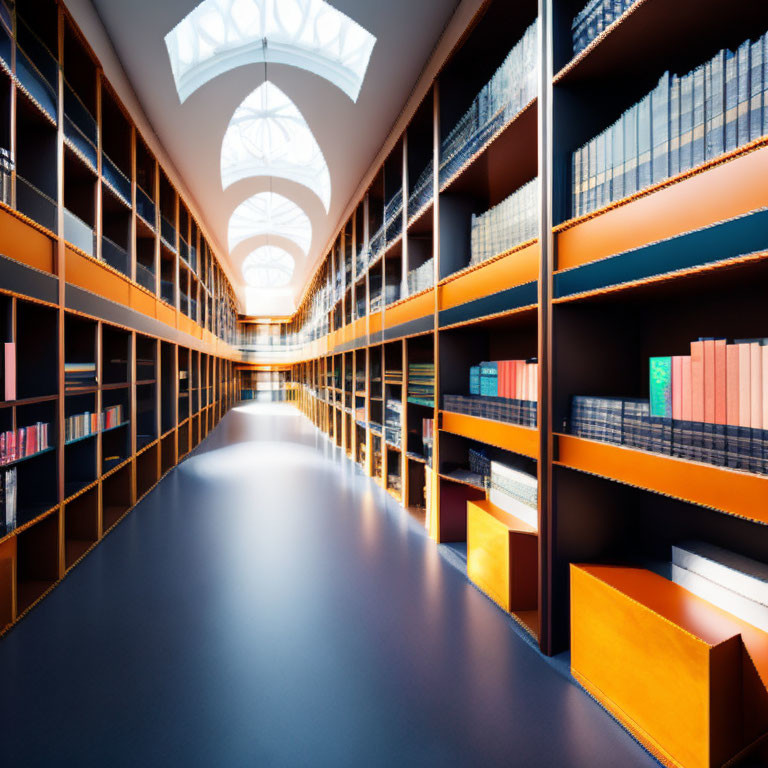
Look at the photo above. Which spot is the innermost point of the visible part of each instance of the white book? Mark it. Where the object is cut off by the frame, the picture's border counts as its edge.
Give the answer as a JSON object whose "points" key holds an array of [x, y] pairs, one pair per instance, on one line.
{"points": [[514, 507]]}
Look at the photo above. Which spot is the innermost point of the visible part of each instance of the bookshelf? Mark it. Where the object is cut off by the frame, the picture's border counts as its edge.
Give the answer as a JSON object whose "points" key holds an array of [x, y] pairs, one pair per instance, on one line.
{"points": [[93, 236], [592, 295]]}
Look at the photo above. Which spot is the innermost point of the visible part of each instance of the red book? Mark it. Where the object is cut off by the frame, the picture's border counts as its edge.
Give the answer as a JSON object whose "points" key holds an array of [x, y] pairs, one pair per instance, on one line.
{"points": [[745, 385], [685, 387], [504, 378], [756, 385], [31, 441], [720, 381], [732, 385], [677, 387], [764, 350], [709, 381], [697, 381], [10, 371]]}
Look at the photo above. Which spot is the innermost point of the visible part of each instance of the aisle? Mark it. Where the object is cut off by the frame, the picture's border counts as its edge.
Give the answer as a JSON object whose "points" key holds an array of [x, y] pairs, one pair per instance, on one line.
{"points": [[267, 605]]}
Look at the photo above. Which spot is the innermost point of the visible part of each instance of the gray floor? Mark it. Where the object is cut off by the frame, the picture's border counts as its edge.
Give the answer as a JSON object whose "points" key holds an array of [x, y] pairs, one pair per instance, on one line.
{"points": [[267, 605]]}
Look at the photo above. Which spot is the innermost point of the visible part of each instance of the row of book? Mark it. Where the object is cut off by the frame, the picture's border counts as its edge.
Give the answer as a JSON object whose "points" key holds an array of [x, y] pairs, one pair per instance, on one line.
{"points": [[506, 225], [393, 376], [23, 442], [79, 374], [393, 413], [84, 424], [512, 87], [685, 121], [8, 500], [421, 278], [524, 413], [593, 18], [421, 384], [423, 191], [513, 379]]}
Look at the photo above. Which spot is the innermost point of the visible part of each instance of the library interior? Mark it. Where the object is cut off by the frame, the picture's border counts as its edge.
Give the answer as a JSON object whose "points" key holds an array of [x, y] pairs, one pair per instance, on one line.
{"points": [[384, 384]]}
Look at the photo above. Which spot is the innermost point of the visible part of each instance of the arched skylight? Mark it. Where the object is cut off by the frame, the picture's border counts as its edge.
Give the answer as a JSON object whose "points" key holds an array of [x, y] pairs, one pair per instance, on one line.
{"points": [[267, 136], [268, 267], [270, 214], [219, 35]]}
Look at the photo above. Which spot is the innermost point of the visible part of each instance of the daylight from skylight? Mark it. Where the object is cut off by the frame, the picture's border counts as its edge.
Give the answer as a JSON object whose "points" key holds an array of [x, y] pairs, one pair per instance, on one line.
{"points": [[270, 214], [268, 267], [268, 136], [219, 35]]}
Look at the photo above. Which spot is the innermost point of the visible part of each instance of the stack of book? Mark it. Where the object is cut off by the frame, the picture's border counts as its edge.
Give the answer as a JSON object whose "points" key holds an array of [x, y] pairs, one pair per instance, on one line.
{"points": [[421, 384], [596, 16], [421, 278], [512, 87], [709, 406], [112, 417], [513, 221], [685, 121], [509, 410], [480, 465], [423, 191], [24, 442], [392, 420], [79, 375], [8, 500], [393, 376], [85, 424], [516, 492]]}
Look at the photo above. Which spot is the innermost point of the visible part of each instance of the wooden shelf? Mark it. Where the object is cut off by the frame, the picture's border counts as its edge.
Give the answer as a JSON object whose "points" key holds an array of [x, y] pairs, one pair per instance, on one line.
{"points": [[727, 490], [510, 437]]}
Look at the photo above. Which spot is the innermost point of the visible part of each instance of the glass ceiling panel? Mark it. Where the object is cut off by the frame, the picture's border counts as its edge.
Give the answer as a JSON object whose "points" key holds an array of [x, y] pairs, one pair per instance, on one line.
{"points": [[270, 214], [268, 267], [268, 136], [219, 35]]}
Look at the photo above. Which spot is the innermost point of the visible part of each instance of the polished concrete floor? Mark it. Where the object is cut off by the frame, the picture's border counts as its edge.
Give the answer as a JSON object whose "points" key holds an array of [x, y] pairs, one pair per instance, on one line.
{"points": [[267, 605]]}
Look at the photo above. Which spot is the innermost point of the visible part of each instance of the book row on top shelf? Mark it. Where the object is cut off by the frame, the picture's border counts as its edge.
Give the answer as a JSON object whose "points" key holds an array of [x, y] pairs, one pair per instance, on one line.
{"points": [[118, 204]]}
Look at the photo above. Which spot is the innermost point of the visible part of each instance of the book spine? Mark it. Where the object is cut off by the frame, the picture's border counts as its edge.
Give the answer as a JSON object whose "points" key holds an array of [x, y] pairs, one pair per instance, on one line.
{"points": [[732, 406], [698, 147], [745, 407], [742, 95], [756, 90], [731, 109], [661, 387], [756, 404], [720, 397], [660, 101], [644, 149], [677, 387], [697, 400]]}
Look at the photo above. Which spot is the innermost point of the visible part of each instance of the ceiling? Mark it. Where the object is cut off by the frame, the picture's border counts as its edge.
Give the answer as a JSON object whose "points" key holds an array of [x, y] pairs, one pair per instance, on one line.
{"points": [[349, 134]]}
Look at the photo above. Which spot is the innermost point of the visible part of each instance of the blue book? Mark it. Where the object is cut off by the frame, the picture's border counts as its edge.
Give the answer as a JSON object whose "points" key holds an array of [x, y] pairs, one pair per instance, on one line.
{"points": [[731, 111], [644, 149], [489, 379], [608, 162], [576, 183], [630, 151], [474, 380], [592, 176], [685, 152], [698, 150], [715, 106], [617, 161], [660, 120], [674, 126], [756, 89], [742, 95]]}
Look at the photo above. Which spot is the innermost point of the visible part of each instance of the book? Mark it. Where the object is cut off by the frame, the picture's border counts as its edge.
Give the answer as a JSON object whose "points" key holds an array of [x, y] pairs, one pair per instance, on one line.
{"points": [[685, 152], [674, 126], [677, 387], [756, 89], [745, 407], [733, 455], [697, 400], [9, 370], [644, 164], [715, 108], [743, 71], [630, 151], [661, 387], [660, 128], [698, 148]]}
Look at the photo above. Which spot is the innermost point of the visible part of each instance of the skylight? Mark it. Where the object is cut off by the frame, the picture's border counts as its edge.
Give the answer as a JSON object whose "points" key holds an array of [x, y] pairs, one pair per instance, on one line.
{"points": [[270, 214], [268, 267], [219, 35], [268, 136]]}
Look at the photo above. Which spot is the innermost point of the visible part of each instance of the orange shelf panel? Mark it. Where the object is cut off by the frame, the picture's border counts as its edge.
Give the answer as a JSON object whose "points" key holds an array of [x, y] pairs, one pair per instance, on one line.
{"points": [[412, 308], [727, 490], [507, 271], [23, 242], [723, 191], [510, 437], [683, 675]]}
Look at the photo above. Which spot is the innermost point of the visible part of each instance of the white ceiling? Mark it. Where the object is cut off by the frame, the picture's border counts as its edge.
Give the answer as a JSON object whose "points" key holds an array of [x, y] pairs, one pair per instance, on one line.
{"points": [[349, 134]]}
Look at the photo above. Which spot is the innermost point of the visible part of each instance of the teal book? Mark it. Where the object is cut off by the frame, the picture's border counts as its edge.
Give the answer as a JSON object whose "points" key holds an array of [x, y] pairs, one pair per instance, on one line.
{"points": [[661, 387]]}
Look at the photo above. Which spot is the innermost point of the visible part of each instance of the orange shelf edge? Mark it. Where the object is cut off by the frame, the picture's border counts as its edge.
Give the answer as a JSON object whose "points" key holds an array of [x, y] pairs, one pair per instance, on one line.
{"points": [[509, 437]]}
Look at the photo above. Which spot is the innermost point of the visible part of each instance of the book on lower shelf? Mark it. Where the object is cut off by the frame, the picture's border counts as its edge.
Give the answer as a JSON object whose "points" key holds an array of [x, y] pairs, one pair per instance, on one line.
{"points": [[23, 442], [421, 384], [80, 374], [8, 500]]}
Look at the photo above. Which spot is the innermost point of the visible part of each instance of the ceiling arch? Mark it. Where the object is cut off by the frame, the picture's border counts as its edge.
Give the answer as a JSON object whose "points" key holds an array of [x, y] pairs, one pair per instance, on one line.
{"points": [[268, 213], [219, 35], [268, 136], [268, 267]]}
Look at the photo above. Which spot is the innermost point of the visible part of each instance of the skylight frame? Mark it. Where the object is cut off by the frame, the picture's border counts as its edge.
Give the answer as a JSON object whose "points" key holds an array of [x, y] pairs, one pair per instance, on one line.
{"points": [[269, 214], [275, 263]]}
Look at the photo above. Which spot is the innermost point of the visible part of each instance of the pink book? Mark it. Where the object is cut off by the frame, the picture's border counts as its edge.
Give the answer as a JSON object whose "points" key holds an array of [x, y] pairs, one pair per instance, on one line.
{"points": [[677, 387], [709, 381], [764, 350], [745, 385], [720, 381], [697, 381], [534, 381], [732, 385], [10, 371], [685, 387], [505, 388], [756, 385]]}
